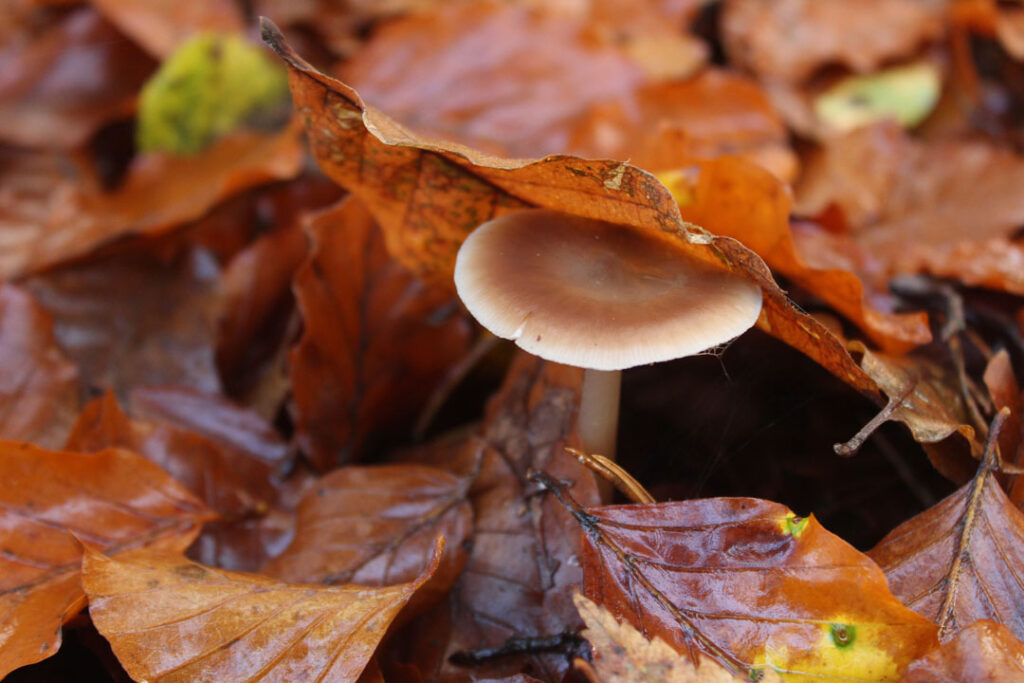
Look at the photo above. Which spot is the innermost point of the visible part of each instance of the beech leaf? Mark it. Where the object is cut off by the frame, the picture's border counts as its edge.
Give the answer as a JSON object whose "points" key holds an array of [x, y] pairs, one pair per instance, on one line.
{"points": [[170, 619], [51, 503], [986, 651]]}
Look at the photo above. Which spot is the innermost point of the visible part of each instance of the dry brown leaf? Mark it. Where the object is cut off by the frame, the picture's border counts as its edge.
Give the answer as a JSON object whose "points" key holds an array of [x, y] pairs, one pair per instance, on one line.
{"points": [[623, 655], [170, 619], [236, 480], [428, 195], [160, 25], [376, 339], [49, 214], [60, 86], [961, 560], [375, 526], [50, 504], [788, 40], [38, 384], [986, 651], [524, 563]]}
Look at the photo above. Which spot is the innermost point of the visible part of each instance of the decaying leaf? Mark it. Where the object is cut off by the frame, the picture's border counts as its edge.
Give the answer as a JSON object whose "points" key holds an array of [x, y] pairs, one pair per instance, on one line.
{"points": [[51, 503], [38, 384], [160, 25], [234, 479], [170, 619], [376, 339], [428, 195], [986, 651], [375, 526], [524, 564], [961, 560], [749, 584], [50, 214], [623, 655]]}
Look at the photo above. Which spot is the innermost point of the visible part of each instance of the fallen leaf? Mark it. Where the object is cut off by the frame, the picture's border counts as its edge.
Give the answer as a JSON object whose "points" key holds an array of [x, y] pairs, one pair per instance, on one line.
{"points": [[427, 196], [376, 339], [160, 25], [170, 619], [524, 563], [49, 214], [234, 481], [61, 85], [905, 93], [53, 502], [666, 126], [497, 76], [38, 384], [985, 651], [375, 526], [749, 584], [129, 319], [788, 40], [735, 199], [960, 560], [623, 655]]}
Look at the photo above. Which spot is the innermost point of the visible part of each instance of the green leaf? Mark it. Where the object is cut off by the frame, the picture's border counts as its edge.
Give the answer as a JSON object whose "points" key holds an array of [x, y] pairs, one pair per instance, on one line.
{"points": [[905, 93]]}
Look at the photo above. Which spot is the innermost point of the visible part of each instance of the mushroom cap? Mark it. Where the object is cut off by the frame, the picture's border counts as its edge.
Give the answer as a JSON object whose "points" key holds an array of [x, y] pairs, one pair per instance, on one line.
{"points": [[597, 295]]}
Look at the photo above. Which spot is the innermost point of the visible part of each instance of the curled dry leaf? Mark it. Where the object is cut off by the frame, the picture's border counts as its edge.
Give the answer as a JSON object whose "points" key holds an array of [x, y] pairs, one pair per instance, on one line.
{"points": [[130, 319], [376, 339], [38, 384], [375, 526], [788, 40], [60, 86], [524, 563], [48, 214], [962, 559], [623, 655], [51, 503], [749, 584], [735, 199], [160, 25], [498, 76], [428, 196], [985, 651], [906, 203], [170, 619], [234, 480]]}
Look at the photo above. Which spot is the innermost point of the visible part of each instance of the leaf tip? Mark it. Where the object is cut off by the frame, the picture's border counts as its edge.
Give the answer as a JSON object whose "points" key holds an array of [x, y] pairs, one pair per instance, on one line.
{"points": [[272, 36]]}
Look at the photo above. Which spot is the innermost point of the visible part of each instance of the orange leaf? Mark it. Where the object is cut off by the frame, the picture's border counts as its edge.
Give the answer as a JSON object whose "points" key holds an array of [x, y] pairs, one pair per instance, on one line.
{"points": [[169, 619], [429, 195], [38, 384], [986, 651], [376, 526], [376, 339], [159, 25], [49, 501]]}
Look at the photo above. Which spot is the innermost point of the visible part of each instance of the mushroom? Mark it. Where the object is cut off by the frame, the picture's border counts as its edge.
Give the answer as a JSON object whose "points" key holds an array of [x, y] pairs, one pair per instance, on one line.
{"points": [[599, 296]]}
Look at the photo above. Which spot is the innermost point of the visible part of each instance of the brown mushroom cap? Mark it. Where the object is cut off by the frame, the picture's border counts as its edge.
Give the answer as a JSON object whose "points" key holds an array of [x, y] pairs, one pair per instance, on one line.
{"points": [[597, 295]]}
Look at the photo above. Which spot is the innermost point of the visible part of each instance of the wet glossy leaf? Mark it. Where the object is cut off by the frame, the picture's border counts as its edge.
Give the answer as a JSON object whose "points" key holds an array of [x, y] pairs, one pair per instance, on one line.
{"points": [[234, 479], [376, 339], [750, 584], [524, 563], [789, 40], [129, 319], [53, 502], [48, 214], [60, 86], [38, 384], [623, 655], [170, 619], [375, 526], [986, 651], [961, 560], [427, 196], [160, 25]]}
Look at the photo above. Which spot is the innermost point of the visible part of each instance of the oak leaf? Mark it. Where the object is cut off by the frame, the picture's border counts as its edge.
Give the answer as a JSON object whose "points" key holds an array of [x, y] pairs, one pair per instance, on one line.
{"points": [[376, 339], [169, 619], [51, 503]]}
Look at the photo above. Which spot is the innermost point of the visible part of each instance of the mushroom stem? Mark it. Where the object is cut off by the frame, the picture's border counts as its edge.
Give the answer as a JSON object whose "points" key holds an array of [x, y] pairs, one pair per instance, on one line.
{"points": [[599, 411]]}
